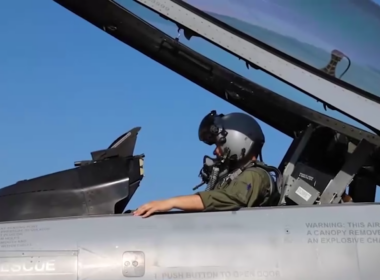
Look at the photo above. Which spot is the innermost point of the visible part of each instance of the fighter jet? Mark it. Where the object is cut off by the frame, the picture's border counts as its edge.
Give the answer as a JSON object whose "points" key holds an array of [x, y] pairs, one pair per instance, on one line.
{"points": [[73, 224]]}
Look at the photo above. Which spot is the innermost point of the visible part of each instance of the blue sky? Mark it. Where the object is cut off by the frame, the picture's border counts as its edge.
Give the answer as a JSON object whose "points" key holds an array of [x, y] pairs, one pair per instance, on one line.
{"points": [[68, 88]]}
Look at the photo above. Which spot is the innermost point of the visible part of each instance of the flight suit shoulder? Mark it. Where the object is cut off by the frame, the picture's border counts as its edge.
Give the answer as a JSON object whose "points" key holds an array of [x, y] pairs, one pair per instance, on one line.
{"points": [[253, 183], [255, 175], [246, 190]]}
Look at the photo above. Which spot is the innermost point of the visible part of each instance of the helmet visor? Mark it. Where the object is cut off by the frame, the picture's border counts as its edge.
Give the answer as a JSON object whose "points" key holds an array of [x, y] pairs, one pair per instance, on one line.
{"points": [[205, 132]]}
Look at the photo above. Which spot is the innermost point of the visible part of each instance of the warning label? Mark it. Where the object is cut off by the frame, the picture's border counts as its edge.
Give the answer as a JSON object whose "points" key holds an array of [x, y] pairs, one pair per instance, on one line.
{"points": [[343, 233]]}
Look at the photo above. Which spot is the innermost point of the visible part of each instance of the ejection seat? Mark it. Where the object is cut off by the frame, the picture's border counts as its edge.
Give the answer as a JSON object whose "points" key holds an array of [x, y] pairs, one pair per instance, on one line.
{"points": [[103, 185], [320, 165]]}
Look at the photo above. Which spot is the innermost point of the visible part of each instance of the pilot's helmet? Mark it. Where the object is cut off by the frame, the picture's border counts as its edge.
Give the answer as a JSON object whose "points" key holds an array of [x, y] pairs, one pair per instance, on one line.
{"points": [[237, 135]]}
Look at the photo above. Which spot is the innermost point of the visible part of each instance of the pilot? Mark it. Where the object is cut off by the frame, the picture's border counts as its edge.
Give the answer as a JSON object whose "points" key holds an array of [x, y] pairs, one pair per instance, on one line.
{"points": [[238, 139]]}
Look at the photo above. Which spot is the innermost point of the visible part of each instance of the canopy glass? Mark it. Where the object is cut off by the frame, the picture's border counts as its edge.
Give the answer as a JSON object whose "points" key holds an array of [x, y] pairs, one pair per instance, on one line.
{"points": [[341, 37], [231, 62]]}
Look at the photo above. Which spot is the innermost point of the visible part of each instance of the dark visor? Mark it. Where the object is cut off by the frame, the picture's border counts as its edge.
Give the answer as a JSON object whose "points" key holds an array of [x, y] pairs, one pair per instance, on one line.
{"points": [[205, 132]]}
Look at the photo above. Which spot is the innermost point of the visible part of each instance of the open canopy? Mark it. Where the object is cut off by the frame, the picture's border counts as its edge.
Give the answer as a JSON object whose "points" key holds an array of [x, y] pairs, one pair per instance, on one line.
{"points": [[291, 41], [347, 152], [347, 29]]}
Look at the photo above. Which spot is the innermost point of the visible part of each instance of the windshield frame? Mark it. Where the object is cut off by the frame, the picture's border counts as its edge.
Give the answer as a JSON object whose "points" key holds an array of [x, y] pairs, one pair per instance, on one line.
{"points": [[342, 96]]}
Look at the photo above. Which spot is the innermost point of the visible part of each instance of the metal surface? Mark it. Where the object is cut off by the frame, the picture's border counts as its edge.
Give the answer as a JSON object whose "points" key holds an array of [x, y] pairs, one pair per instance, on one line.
{"points": [[104, 185], [133, 264], [343, 99], [302, 193], [317, 242], [290, 166], [38, 264]]}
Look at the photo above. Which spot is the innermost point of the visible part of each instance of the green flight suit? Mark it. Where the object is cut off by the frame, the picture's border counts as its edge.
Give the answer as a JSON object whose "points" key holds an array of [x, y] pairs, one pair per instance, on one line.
{"points": [[246, 190]]}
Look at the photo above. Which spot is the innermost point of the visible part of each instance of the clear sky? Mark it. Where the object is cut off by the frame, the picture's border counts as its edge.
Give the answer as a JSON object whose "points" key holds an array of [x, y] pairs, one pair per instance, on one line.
{"points": [[68, 88]]}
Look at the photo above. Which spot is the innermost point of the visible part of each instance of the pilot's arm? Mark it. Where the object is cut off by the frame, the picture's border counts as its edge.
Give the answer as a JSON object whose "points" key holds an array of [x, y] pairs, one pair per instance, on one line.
{"points": [[188, 203], [244, 191]]}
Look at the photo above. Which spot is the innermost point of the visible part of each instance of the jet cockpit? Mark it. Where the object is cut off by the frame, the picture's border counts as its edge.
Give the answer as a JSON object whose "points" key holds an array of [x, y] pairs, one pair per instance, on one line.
{"points": [[328, 162], [327, 155]]}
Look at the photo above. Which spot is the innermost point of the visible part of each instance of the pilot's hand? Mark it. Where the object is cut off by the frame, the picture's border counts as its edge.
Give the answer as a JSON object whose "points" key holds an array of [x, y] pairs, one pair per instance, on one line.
{"points": [[152, 207]]}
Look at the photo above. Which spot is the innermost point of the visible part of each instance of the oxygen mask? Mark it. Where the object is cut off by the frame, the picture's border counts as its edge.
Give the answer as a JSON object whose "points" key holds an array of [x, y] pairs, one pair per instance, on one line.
{"points": [[211, 171]]}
